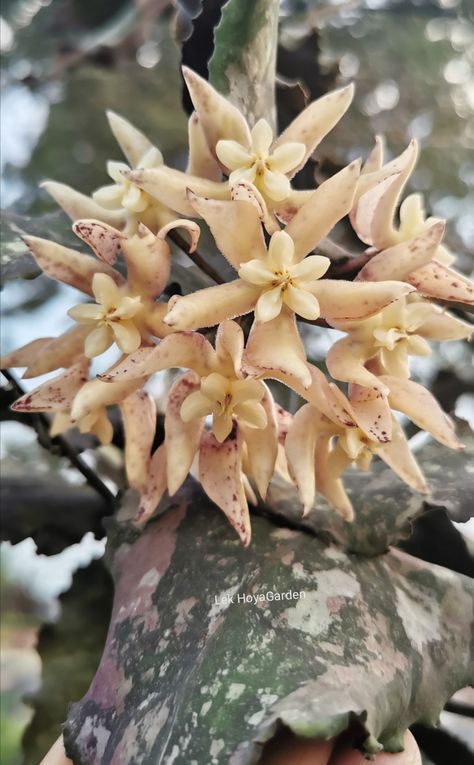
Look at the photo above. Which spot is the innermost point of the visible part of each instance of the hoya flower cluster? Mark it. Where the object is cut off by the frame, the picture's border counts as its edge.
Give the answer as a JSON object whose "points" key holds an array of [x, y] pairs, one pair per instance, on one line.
{"points": [[221, 422]]}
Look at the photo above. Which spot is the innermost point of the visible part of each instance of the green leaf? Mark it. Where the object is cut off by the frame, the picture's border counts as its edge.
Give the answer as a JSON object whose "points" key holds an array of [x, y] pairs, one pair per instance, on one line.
{"points": [[243, 64], [187, 678]]}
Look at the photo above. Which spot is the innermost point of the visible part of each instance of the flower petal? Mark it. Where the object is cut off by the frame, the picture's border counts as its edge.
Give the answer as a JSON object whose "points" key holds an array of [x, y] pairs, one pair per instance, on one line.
{"points": [[442, 283], [286, 157], [170, 186], [233, 155], [346, 362], [256, 272], [340, 300], [372, 413], [104, 240], [218, 117], [325, 207], [217, 460], [230, 343], [57, 394], [181, 438], [98, 341], [302, 302], [247, 192], [315, 122], [275, 185], [421, 407], [134, 200], [399, 261], [269, 305], [195, 406], [116, 169], [243, 175], [312, 267], [373, 216], [155, 486], [261, 137], [77, 205], [105, 290], [281, 251], [210, 306], [96, 394], [262, 446], [109, 197], [444, 326], [86, 313], [397, 455], [236, 227], [127, 336], [222, 425], [330, 463], [68, 266], [252, 413], [187, 350], [132, 141], [139, 422], [300, 445], [275, 346], [59, 352], [201, 161]]}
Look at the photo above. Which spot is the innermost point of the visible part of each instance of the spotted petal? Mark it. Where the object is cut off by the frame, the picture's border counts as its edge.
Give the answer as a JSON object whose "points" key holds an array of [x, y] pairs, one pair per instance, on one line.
{"points": [[155, 486], [182, 438], [346, 362], [57, 394], [330, 464], [442, 283], [225, 459], [139, 422], [68, 266], [399, 261]]}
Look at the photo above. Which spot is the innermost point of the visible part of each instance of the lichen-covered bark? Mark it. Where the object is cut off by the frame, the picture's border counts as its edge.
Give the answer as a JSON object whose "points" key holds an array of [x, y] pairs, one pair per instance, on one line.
{"points": [[243, 63], [189, 677]]}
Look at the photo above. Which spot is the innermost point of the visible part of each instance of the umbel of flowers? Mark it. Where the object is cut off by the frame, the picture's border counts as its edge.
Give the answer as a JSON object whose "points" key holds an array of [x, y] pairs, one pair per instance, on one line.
{"points": [[221, 422]]}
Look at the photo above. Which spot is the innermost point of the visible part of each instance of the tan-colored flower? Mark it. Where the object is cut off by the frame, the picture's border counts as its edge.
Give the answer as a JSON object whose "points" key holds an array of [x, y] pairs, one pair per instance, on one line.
{"points": [[390, 337], [241, 441], [280, 282], [411, 250], [126, 311], [111, 316], [259, 164], [319, 448], [123, 204], [249, 156]]}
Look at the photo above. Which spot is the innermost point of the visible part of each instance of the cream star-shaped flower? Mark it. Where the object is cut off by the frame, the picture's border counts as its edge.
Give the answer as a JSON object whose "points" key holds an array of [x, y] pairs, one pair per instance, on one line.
{"points": [[388, 339], [224, 398], [284, 279], [260, 165], [111, 316], [123, 194]]}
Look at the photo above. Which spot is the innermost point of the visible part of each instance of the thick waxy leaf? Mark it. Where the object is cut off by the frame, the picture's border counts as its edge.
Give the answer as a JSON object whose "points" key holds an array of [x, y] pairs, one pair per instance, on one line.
{"points": [[242, 66], [191, 673]]}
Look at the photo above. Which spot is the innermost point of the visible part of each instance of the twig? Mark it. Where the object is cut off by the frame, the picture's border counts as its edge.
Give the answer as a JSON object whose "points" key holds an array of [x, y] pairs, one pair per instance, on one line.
{"points": [[350, 266], [67, 450], [197, 259]]}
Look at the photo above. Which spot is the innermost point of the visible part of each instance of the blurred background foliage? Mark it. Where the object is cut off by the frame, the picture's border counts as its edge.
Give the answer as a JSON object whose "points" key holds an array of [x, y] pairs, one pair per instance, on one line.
{"points": [[63, 63]]}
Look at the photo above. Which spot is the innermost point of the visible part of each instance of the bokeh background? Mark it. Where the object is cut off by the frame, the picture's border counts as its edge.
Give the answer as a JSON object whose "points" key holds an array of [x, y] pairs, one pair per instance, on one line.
{"points": [[63, 63]]}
